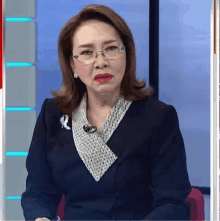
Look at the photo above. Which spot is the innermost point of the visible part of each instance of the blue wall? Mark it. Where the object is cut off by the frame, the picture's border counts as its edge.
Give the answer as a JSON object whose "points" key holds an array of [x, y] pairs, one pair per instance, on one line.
{"points": [[185, 79]]}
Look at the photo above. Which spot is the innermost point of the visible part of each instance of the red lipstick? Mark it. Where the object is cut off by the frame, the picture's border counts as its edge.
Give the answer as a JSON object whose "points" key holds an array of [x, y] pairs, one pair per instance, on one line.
{"points": [[103, 77]]}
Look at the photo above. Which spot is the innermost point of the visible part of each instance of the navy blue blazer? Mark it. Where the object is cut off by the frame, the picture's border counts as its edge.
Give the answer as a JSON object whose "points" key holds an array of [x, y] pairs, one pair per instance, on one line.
{"points": [[148, 181]]}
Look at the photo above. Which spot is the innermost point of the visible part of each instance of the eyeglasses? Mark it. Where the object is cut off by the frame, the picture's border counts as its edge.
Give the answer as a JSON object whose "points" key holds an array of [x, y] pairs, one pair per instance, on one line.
{"points": [[110, 53]]}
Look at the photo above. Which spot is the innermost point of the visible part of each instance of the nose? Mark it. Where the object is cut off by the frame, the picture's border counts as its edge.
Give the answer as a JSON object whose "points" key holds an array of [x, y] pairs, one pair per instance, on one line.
{"points": [[100, 60]]}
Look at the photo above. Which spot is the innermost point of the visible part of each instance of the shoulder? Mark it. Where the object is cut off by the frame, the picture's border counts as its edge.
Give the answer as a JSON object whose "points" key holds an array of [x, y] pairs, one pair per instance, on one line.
{"points": [[155, 109], [51, 105], [154, 103], [51, 109], [151, 104]]}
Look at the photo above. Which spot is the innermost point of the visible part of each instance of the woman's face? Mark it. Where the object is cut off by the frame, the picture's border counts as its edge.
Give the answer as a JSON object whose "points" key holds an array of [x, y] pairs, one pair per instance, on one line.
{"points": [[97, 33]]}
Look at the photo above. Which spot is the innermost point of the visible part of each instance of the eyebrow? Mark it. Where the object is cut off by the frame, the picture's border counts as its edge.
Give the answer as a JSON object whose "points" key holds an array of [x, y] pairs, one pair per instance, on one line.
{"points": [[90, 45]]}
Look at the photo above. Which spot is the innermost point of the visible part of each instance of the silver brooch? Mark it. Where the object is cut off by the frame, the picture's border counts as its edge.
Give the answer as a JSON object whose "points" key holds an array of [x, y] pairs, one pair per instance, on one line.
{"points": [[64, 120]]}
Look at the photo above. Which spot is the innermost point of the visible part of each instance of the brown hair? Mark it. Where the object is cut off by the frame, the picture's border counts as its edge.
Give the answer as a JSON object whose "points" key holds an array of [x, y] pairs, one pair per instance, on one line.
{"points": [[70, 94]]}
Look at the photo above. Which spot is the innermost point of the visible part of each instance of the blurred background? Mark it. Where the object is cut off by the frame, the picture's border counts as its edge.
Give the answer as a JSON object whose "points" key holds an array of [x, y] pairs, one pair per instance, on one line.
{"points": [[32, 29]]}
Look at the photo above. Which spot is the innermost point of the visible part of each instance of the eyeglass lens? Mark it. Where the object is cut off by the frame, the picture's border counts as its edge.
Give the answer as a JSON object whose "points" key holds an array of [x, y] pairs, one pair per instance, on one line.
{"points": [[111, 52]]}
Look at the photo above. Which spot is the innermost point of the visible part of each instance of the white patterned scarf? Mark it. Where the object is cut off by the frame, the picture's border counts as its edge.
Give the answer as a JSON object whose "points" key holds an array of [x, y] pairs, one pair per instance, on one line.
{"points": [[92, 148]]}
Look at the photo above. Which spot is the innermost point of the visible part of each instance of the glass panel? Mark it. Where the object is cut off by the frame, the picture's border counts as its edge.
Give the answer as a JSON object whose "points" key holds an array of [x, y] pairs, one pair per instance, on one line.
{"points": [[185, 78]]}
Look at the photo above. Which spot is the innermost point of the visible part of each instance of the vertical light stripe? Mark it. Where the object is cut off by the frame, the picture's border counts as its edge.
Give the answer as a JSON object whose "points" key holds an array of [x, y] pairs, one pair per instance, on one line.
{"points": [[1, 152], [214, 112], [217, 102], [2, 118], [211, 112]]}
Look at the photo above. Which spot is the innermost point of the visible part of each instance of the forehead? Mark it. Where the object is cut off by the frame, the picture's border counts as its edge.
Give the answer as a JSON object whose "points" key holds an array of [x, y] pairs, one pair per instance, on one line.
{"points": [[94, 31]]}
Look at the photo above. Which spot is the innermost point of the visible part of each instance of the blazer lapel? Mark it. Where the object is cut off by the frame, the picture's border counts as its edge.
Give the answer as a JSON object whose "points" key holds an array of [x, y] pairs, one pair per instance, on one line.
{"points": [[128, 135], [132, 131]]}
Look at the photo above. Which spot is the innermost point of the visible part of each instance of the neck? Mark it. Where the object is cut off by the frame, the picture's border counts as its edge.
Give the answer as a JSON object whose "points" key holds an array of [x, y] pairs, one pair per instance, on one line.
{"points": [[97, 102]]}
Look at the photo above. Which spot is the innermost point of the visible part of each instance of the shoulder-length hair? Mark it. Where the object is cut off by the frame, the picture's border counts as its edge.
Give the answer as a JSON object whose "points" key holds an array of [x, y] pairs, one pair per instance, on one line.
{"points": [[69, 96]]}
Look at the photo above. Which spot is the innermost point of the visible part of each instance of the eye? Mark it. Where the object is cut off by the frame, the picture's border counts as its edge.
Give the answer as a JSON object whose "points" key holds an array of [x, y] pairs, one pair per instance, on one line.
{"points": [[86, 52], [111, 48]]}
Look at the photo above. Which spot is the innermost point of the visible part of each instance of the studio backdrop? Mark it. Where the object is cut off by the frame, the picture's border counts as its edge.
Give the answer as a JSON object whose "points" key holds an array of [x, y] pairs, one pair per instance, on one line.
{"points": [[32, 71]]}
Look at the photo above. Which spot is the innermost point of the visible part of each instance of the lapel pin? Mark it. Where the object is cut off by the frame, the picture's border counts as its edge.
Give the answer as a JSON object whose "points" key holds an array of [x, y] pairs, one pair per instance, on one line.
{"points": [[64, 120]]}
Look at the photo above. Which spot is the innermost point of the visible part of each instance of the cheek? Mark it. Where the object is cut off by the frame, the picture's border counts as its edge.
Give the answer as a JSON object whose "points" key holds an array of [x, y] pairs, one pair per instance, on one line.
{"points": [[83, 69], [120, 68]]}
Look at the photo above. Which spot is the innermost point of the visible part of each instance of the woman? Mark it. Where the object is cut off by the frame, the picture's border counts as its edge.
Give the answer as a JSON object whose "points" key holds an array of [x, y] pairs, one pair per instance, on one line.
{"points": [[104, 142]]}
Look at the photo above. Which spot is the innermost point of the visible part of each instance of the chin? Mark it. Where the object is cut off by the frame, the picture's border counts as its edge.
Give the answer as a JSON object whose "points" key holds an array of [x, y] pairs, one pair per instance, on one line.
{"points": [[108, 90]]}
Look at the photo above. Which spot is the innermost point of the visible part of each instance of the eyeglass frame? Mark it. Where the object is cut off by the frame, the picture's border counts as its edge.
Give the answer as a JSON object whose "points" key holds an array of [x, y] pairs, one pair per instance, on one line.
{"points": [[121, 49]]}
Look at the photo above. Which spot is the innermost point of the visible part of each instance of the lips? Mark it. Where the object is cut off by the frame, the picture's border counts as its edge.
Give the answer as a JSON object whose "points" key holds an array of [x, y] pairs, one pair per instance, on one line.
{"points": [[106, 75]]}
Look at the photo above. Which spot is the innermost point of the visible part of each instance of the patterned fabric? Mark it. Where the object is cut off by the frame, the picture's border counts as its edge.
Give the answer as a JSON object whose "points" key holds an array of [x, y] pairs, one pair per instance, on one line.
{"points": [[92, 148]]}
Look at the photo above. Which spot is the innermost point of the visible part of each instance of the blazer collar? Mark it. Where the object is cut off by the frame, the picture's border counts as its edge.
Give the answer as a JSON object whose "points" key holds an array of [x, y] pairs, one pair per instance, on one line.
{"points": [[91, 147], [123, 139]]}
